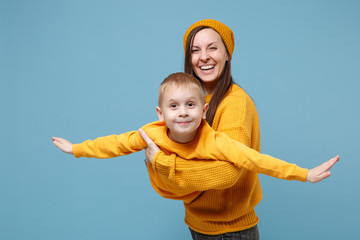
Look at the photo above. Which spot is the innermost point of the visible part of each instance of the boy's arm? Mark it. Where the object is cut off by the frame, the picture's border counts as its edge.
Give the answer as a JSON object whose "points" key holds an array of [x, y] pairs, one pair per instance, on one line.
{"points": [[321, 172], [245, 158], [103, 147], [215, 170], [252, 160], [63, 144]]}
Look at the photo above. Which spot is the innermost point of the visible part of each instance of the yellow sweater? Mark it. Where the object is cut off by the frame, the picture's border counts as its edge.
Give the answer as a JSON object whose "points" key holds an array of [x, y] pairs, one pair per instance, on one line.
{"points": [[208, 145], [186, 183], [222, 210]]}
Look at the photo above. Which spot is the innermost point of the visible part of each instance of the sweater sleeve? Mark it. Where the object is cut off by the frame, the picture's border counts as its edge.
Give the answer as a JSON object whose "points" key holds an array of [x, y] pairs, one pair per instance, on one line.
{"points": [[245, 157], [110, 146]]}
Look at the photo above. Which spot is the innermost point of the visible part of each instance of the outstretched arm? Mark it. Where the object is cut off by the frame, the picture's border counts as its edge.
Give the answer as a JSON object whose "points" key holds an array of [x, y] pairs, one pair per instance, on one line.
{"points": [[63, 144], [321, 172]]}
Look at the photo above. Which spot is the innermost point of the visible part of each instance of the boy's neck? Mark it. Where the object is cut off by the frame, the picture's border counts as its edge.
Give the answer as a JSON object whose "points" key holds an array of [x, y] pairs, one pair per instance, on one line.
{"points": [[183, 138]]}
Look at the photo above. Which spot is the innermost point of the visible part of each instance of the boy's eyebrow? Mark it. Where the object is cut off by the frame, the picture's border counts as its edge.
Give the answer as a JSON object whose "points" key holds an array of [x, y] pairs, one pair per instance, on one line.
{"points": [[174, 100], [192, 99]]}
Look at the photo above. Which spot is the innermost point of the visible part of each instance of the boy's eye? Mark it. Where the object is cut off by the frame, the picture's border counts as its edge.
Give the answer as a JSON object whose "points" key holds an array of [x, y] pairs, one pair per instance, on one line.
{"points": [[173, 105], [191, 104]]}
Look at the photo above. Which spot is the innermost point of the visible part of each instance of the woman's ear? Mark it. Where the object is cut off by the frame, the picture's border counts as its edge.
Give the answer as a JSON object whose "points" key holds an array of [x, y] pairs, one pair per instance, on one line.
{"points": [[205, 109], [159, 113]]}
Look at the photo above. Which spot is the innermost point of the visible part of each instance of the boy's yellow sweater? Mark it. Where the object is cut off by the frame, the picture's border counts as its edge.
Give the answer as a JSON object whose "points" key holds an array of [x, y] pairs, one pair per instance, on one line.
{"points": [[207, 146]]}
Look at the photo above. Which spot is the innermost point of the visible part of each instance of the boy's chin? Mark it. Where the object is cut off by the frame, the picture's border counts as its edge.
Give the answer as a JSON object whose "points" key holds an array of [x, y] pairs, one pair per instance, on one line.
{"points": [[183, 136]]}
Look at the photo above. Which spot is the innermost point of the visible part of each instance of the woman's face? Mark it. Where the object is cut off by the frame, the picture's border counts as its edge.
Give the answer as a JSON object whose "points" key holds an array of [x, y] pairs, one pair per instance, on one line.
{"points": [[208, 57]]}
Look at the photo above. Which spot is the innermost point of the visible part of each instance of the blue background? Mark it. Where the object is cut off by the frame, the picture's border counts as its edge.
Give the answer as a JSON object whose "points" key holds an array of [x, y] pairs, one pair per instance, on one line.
{"points": [[80, 69]]}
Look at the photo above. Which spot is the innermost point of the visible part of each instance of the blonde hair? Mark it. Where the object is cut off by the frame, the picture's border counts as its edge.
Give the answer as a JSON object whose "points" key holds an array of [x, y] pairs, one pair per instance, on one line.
{"points": [[180, 79]]}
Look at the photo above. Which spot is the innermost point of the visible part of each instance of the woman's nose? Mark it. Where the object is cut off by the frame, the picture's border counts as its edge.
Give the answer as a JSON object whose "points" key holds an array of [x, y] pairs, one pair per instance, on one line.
{"points": [[204, 56]]}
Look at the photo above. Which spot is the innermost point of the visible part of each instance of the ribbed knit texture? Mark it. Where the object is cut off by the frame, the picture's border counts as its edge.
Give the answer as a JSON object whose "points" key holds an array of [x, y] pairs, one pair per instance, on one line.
{"points": [[231, 209], [234, 211], [225, 32], [231, 186]]}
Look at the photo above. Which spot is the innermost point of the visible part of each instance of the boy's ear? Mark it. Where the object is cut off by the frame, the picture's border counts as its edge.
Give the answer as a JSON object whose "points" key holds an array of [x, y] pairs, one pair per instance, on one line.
{"points": [[205, 109], [159, 113]]}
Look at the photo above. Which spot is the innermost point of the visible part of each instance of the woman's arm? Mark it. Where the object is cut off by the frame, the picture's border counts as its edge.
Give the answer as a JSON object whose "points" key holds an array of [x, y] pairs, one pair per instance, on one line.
{"points": [[199, 175]]}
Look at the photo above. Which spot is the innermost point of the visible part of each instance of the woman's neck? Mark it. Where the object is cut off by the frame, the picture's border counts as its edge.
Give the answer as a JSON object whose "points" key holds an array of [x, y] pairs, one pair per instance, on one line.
{"points": [[209, 88]]}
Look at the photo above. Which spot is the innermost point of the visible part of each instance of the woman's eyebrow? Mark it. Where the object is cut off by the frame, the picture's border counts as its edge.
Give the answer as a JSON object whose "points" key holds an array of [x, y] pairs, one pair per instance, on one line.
{"points": [[207, 45]]}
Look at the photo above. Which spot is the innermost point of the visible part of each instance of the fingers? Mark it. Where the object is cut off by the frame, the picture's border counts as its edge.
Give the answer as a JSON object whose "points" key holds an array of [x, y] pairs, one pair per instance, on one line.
{"points": [[145, 137], [335, 160], [321, 172], [152, 148], [329, 164], [56, 141], [322, 177]]}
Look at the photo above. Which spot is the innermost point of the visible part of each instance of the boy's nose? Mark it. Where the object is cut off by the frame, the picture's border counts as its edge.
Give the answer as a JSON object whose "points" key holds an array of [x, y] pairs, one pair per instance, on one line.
{"points": [[183, 112]]}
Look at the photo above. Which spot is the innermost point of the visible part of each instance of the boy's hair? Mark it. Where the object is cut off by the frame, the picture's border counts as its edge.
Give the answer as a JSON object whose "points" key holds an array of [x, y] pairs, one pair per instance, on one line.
{"points": [[180, 79]]}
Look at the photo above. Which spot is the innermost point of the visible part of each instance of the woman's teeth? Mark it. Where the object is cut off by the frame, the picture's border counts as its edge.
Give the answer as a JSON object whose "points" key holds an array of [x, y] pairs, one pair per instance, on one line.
{"points": [[207, 67]]}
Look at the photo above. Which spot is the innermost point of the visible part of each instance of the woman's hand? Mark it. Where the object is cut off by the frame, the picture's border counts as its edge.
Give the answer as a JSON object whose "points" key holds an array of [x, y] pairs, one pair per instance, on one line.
{"points": [[63, 144], [321, 172], [151, 149]]}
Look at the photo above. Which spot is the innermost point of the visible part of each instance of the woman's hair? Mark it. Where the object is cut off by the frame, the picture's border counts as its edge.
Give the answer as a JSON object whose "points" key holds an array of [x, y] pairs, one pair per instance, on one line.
{"points": [[224, 83]]}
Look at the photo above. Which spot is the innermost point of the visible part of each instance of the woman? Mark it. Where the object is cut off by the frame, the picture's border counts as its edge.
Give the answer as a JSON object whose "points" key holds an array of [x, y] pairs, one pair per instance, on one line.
{"points": [[209, 46]]}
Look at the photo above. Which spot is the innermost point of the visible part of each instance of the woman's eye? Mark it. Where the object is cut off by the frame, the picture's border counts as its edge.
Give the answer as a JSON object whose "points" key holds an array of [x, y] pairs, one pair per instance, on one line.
{"points": [[194, 50]]}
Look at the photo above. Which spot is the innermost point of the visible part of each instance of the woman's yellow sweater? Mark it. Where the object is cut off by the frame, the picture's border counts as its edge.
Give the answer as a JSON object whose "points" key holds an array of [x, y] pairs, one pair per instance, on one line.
{"points": [[230, 209], [219, 186]]}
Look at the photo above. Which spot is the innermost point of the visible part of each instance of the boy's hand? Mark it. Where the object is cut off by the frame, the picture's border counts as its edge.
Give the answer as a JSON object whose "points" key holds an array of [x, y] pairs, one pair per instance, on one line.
{"points": [[151, 149], [63, 144], [321, 172]]}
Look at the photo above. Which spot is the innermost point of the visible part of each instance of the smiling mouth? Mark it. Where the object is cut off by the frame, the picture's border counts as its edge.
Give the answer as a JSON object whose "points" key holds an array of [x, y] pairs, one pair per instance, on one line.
{"points": [[184, 122], [207, 67]]}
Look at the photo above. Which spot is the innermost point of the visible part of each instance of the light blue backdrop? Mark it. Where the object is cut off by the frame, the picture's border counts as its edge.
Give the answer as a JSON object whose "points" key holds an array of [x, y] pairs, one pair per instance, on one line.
{"points": [[80, 69]]}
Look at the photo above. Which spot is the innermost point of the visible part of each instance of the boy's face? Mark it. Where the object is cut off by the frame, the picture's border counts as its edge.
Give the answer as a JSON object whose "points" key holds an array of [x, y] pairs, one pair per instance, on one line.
{"points": [[182, 110]]}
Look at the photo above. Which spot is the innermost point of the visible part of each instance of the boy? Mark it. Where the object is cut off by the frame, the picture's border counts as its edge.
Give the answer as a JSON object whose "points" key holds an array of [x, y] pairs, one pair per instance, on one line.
{"points": [[182, 129]]}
